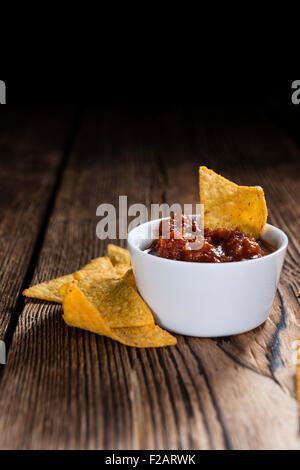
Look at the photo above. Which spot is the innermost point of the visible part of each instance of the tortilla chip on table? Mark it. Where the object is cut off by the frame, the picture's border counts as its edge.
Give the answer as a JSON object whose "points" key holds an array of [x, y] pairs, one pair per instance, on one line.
{"points": [[84, 310]]}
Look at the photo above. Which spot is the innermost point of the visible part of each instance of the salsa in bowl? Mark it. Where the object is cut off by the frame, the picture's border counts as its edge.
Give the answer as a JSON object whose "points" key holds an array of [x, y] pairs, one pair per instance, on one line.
{"points": [[215, 246], [207, 299]]}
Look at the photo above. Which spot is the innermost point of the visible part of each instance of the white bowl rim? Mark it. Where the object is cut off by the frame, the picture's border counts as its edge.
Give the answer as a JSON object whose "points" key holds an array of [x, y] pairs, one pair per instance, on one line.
{"points": [[196, 265]]}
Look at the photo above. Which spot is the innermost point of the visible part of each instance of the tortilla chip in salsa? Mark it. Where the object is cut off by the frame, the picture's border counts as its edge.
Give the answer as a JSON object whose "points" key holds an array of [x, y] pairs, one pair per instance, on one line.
{"points": [[229, 206]]}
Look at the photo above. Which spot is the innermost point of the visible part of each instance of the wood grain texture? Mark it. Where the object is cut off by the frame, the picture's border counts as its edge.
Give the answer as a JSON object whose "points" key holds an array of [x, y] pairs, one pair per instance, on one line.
{"points": [[64, 388], [29, 163]]}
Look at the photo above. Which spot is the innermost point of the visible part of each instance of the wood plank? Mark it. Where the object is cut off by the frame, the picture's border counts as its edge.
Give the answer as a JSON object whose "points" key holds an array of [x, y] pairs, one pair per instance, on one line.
{"points": [[30, 163], [64, 388]]}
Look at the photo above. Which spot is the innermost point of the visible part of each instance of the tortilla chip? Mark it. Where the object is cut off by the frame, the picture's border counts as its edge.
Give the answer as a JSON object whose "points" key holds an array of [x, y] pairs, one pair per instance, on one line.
{"points": [[129, 277], [118, 255], [121, 269], [95, 275], [125, 272], [64, 289], [103, 262], [50, 290], [81, 313], [227, 205], [116, 300], [144, 337]]}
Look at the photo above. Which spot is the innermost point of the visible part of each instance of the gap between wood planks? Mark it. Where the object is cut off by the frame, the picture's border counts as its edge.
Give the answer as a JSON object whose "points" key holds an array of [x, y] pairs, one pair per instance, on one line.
{"points": [[77, 120]]}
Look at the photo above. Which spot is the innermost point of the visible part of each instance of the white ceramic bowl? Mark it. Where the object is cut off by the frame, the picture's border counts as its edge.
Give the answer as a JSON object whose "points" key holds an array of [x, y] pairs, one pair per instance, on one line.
{"points": [[207, 299]]}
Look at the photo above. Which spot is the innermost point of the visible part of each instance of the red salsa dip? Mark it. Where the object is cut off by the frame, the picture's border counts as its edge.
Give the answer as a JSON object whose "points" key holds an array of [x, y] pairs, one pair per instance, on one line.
{"points": [[219, 246]]}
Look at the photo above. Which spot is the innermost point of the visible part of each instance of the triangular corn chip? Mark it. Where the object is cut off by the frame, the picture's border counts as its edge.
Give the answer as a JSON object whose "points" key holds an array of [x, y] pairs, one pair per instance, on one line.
{"points": [[81, 313], [144, 337], [103, 262], [116, 300], [50, 290], [118, 255], [129, 277], [227, 205], [126, 273], [95, 275], [121, 269]]}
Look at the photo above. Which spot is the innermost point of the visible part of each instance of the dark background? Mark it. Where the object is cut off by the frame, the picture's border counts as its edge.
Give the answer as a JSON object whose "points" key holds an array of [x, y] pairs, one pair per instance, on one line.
{"points": [[147, 96], [160, 90]]}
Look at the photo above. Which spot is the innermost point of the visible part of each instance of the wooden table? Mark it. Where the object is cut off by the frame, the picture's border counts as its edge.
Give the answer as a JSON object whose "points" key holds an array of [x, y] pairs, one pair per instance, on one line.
{"points": [[64, 388]]}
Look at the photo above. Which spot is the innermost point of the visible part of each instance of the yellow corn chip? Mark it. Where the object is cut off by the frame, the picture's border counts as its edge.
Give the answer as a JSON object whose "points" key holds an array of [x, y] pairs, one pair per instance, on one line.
{"points": [[116, 300], [95, 275], [64, 289], [144, 337], [121, 269], [50, 290], [125, 272], [129, 277], [103, 262], [118, 255], [81, 313], [227, 205]]}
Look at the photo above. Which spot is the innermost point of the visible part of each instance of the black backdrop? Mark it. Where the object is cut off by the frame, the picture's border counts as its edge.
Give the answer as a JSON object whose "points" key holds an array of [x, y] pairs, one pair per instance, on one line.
{"points": [[148, 90]]}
